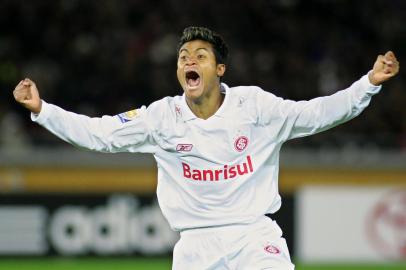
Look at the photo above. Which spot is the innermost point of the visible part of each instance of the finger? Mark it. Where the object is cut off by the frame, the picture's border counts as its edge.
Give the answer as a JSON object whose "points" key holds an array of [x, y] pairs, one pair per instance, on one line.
{"points": [[381, 60], [19, 84], [29, 80], [392, 64], [388, 61], [390, 55], [390, 58], [20, 87], [26, 83], [20, 90], [20, 96], [28, 96], [390, 70], [386, 76]]}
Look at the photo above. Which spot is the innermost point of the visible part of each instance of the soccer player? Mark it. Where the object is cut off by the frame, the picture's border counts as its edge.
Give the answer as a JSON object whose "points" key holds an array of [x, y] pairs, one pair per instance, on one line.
{"points": [[217, 150]]}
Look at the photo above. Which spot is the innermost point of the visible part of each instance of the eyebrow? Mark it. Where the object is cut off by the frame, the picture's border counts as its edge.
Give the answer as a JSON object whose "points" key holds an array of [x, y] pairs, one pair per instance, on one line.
{"points": [[186, 50]]}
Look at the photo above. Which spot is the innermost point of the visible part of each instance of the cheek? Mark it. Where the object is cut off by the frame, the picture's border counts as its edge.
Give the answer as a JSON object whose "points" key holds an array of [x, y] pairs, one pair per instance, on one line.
{"points": [[179, 75], [210, 72]]}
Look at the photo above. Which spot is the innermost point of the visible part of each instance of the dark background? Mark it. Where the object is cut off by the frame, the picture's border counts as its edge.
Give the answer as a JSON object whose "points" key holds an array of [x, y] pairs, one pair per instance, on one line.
{"points": [[106, 57]]}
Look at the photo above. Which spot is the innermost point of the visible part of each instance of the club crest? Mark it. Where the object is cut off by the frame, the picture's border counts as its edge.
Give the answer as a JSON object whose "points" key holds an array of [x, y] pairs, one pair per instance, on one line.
{"points": [[272, 249], [241, 143]]}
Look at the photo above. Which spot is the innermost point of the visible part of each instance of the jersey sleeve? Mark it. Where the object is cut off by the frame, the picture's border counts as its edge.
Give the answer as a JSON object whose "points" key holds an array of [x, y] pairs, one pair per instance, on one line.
{"points": [[304, 118], [126, 132]]}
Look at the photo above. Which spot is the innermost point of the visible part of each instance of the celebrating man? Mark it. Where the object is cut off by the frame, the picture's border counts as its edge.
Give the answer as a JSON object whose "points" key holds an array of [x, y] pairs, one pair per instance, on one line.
{"points": [[217, 150]]}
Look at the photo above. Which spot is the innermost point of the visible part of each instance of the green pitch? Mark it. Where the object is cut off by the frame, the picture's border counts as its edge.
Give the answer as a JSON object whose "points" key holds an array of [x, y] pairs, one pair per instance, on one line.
{"points": [[148, 264], [399, 266], [86, 264]]}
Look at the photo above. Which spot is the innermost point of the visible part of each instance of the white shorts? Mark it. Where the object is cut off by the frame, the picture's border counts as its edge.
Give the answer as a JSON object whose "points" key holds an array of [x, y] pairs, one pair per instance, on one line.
{"points": [[235, 247]]}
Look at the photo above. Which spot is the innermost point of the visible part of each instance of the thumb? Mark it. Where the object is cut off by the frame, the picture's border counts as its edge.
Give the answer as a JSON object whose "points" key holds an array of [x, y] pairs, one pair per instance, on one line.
{"points": [[389, 55], [28, 82]]}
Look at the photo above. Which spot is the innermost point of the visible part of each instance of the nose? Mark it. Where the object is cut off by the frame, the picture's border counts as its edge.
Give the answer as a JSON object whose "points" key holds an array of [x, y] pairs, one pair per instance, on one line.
{"points": [[191, 61]]}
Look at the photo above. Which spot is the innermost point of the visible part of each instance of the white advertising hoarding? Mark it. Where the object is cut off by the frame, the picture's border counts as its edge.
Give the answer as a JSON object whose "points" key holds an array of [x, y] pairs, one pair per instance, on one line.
{"points": [[87, 224], [349, 223]]}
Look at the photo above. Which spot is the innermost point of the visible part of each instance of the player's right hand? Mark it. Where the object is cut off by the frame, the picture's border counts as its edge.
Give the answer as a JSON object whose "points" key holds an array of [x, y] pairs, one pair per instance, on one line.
{"points": [[26, 93]]}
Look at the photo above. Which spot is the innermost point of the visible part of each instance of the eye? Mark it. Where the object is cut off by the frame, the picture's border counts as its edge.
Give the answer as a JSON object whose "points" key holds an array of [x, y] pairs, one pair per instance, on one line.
{"points": [[201, 56], [182, 58]]}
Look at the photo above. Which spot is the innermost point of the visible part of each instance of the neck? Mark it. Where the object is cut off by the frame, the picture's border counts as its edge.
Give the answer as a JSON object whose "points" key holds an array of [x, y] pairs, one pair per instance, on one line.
{"points": [[207, 105]]}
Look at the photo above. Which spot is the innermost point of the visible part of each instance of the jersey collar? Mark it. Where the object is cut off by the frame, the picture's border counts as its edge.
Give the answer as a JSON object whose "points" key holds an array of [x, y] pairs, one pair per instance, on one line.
{"points": [[189, 115]]}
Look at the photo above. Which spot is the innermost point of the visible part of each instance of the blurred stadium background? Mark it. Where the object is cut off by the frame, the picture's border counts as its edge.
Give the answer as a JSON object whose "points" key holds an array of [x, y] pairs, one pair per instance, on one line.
{"points": [[344, 191]]}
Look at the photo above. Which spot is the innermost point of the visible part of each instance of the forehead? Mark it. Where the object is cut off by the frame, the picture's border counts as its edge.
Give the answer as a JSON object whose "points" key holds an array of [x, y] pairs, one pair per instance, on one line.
{"points": [[195, 45]]}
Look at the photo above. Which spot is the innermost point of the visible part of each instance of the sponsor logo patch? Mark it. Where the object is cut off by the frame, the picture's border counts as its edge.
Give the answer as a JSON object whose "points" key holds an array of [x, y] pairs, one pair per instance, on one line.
{"points": [[127, 116], [272, 249], [227, 172], [184, 147]]}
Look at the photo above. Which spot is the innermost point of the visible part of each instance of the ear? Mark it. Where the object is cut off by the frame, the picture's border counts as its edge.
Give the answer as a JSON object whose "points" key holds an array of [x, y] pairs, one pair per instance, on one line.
{"points": [[221, 69]]}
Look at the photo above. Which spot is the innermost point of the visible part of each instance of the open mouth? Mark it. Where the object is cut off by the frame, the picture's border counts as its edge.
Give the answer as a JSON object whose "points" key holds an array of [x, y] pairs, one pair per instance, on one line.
{"points": [[192, 79]]}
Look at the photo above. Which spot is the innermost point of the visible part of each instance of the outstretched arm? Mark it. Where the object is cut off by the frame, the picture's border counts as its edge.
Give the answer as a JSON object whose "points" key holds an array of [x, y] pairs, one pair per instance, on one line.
{"points": [[305, 118], [323, 113], [104, 134]]}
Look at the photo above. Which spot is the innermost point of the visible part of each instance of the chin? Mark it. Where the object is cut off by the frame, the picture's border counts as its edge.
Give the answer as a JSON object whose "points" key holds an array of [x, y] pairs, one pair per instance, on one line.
{"points": [[194, 93]]}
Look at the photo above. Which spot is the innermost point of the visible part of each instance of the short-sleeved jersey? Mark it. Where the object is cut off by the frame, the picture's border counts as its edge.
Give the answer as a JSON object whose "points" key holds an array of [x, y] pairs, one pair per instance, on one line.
{"points": [[218, 171]]}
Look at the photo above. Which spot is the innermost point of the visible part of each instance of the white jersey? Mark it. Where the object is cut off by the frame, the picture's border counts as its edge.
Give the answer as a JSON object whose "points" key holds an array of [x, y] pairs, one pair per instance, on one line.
{"points": [[218, 171]]}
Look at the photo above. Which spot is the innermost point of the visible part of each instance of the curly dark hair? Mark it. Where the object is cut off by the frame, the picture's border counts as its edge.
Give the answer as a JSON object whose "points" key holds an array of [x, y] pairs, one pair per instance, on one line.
{"points": [[194, 32]]}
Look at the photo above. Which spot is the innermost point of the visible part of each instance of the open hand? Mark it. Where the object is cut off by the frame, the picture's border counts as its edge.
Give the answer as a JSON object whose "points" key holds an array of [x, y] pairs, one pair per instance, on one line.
{"points": [[385, 67], [26, 93]]}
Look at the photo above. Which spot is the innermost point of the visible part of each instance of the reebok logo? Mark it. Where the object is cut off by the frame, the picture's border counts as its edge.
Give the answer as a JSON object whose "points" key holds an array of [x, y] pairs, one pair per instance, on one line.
{"points": [[184, 147]]}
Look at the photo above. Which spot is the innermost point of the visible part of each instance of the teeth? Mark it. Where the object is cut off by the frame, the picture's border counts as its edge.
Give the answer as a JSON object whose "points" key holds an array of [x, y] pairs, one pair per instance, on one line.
{"points": [[192, 79]]}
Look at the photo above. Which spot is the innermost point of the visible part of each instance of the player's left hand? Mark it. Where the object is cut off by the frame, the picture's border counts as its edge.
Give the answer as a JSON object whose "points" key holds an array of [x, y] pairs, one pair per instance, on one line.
{"points": [[385, 67]]}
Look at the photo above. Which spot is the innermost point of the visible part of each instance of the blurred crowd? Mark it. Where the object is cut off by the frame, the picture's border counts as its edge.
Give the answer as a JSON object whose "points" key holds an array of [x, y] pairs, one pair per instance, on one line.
{"points": [[100, 57]]}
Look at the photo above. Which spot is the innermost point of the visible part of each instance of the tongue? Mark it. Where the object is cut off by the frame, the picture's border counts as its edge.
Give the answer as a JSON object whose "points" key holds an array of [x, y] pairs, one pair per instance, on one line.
{"points": [[193, 82]]}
